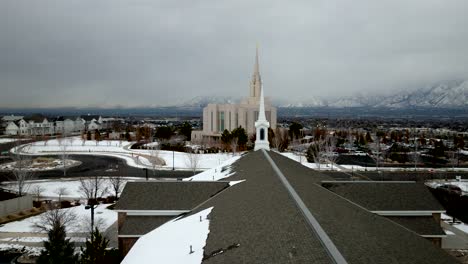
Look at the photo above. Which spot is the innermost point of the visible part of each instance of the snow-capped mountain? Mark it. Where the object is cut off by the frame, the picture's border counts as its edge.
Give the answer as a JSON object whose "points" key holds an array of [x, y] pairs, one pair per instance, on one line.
{"points": [[202, 101], [447, 94], [450, 94]]}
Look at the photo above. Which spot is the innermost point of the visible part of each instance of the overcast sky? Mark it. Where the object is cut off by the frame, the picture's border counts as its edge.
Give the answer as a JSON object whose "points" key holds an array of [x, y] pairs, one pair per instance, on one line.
{"points": [[142, 53]]}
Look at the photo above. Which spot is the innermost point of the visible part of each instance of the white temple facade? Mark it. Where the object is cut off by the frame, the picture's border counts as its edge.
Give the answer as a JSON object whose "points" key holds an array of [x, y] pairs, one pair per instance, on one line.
{"points": [[218, 117]]}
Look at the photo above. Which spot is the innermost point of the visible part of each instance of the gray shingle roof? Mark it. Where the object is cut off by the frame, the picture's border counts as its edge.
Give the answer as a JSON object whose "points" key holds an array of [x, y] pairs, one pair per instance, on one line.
{"points": [[422, 225], [167, 195], [257, 221], [140, 225], [260, 216], [387, 196]]}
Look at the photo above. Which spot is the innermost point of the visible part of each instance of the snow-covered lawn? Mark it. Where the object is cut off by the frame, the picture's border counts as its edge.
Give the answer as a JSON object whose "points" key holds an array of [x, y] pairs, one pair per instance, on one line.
{"points": [[179, 241], [327, 166], [72, 187], [75, 144], [219, 172], [43, 164], [460, 226], [102, 215], [7, 140]]}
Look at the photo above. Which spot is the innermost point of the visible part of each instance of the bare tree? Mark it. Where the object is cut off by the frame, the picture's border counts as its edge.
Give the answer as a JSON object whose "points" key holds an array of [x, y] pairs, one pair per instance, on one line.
{"points": [[60, 192], [55, 217], [37, 191], [63, 152], [154, 158], [193, 161], [376, 152], [92, 188], [234, 145], [21, 172], [316, 151], [329, 149], [453, 159], [117, 184]]}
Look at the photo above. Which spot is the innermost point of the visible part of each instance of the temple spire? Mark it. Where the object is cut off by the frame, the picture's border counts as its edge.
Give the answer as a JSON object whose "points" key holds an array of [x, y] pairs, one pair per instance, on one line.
{"points": [[262, 125], [256, 81], [257, 66]]}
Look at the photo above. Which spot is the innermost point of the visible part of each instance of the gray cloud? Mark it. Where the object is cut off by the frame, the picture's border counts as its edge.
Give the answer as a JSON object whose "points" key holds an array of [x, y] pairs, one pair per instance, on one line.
{"points": [[132, 53]]}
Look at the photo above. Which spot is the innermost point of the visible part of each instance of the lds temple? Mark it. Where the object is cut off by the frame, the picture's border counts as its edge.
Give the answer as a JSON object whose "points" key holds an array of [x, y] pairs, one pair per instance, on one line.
{"points": [[218, 117]]}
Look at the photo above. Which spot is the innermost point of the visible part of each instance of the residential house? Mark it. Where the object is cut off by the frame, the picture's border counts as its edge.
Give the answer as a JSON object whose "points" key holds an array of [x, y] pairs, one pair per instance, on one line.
{"points": [[36, 125], [92, 122], [5, 121], [12, 128]]}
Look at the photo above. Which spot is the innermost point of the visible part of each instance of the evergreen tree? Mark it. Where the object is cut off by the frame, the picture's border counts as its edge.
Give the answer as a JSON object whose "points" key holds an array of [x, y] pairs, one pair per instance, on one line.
{"points": [[95, 249], [164, 132], [226, 137], [241, 136], [97, 135], [58, 249], [186, 131], [295, 130]]}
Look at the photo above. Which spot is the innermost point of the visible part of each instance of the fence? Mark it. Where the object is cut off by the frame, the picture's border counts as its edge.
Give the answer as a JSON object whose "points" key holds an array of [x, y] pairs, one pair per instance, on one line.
{"points": [[15, 205]]}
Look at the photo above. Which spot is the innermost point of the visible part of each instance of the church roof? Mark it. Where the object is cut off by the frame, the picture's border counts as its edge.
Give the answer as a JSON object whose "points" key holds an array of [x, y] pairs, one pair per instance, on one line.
{"points": [[387, 196], [261, 216], [167, 195], [140, 225], [267, 218], [422, 225]]}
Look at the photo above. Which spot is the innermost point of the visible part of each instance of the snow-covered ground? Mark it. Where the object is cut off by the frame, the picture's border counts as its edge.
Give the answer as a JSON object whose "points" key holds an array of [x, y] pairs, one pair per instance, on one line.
{"points": [[327, 166], [102, 215], [72, 187], [8, 140], [460, 226], [43, 165], [139, 158], [219, 172], [179, 241]]}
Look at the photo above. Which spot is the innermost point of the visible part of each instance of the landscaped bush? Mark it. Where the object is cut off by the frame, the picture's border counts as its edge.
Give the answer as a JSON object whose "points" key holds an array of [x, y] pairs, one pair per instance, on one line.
{"points": [[65, 204], [37, 204]]}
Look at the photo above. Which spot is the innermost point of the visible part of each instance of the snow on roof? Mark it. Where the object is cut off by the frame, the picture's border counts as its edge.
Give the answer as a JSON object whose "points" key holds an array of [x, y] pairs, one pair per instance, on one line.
{"points": [[216, 173], [170, 243]]}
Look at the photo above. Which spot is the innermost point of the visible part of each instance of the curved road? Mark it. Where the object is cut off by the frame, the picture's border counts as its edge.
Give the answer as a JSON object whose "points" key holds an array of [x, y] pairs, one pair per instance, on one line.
{"points": [[102, 166]]}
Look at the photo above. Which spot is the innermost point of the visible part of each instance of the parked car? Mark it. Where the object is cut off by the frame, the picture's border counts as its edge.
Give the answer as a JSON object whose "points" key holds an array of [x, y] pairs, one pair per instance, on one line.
{"points": [[451, 188]]}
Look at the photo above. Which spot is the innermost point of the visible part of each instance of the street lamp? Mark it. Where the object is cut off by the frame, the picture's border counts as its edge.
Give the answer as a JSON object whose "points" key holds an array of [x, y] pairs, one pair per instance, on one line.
{"points": [[92, 204]]}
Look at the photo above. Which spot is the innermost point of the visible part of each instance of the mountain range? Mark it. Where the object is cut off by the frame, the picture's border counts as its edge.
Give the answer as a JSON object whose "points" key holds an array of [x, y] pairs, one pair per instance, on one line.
{"points": [[448, 94]]}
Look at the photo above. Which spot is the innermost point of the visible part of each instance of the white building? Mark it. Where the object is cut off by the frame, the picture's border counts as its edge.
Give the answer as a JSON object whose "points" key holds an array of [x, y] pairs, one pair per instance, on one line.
{"points": [[218, 117]]}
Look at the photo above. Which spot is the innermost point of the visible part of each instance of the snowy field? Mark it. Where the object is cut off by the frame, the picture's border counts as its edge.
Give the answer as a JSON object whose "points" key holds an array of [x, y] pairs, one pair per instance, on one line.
{"points": [[43, 164], [327, 166], [460, 226], [139, 158], [102, 215], [72, 187], [8, 140]]}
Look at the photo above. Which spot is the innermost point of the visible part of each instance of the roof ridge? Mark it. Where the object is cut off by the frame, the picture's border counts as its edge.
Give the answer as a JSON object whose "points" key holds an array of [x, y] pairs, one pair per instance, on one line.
{"points": [[332, 251]]}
